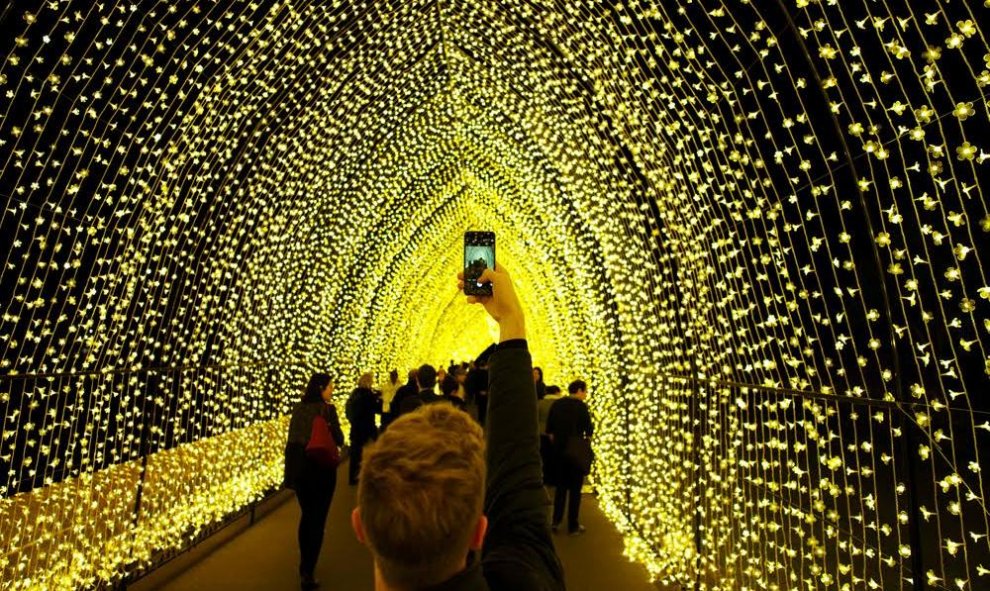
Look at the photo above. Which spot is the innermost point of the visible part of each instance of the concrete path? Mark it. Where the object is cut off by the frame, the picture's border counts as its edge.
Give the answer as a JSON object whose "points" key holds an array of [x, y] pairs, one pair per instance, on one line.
{"points": [[265, 555]]}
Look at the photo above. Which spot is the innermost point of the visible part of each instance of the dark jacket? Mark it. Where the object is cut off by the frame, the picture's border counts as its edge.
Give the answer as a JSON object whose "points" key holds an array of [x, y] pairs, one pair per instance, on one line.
{"points": [[401, 395], [297, 466], [518, 553], [360, 410], [429, 397], [476, 384], [458, 403], [568, 418]]}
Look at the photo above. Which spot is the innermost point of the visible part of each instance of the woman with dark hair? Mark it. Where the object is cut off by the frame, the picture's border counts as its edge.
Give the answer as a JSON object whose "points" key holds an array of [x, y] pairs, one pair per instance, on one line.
{"points": [[314, 484], [541, 388]]}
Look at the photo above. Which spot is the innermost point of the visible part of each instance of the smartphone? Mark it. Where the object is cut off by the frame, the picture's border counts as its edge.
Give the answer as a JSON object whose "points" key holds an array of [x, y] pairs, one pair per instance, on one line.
{"points": [[479, 254]]}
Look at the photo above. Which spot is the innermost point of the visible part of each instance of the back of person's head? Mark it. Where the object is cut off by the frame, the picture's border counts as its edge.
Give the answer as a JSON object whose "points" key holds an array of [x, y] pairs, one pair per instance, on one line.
{"points": [[314, 390], [553, 390], [449, 385], [367, 379], [412, 377], [426, 377], [577, 386], [420, 495]]}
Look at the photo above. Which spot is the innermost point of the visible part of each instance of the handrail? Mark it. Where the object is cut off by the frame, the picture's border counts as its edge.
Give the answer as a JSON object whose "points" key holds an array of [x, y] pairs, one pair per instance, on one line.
{"points": [[791, 391], [137, 370], [888, 404], [64, 470]]}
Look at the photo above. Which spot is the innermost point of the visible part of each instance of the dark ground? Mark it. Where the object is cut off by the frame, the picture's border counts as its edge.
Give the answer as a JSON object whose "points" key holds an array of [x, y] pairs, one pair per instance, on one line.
{"points": [[264, 556]]}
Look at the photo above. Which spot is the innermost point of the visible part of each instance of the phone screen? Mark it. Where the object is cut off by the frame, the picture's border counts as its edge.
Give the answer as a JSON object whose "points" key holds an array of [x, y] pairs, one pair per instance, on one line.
{"points": [[479, 254]]}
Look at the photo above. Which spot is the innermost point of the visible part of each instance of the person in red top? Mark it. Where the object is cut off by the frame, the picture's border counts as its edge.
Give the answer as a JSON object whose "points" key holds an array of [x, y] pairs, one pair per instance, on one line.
{"points": [[314, 484]]}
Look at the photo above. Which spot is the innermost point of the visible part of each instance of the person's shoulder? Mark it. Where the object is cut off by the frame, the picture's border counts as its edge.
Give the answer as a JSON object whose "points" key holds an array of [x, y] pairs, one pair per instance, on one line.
{"points": [[518, 571], [306, 409], [409, 404]]}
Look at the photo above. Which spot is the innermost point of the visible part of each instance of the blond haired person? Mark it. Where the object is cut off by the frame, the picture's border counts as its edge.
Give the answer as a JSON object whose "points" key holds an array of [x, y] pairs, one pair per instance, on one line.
{"points": [[433, 495]]}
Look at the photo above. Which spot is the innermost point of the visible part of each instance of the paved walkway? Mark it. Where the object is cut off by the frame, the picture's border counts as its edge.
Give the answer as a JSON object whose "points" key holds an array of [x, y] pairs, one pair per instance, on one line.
{"points": [[265, 556]]}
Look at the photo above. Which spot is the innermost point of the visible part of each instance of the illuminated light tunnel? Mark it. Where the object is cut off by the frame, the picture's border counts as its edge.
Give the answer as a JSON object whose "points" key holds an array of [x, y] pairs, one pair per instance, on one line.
{"points": [[757, 229]]}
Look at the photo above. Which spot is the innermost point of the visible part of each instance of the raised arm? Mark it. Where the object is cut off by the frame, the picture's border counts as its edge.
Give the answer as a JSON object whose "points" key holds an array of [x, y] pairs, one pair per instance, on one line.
{"points": [[518, 549]]}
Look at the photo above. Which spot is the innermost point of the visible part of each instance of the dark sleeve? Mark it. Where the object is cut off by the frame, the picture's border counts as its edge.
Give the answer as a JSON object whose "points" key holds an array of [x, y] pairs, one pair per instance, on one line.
{"points": [[587, 427], [518, 543], [334, 421], [552, 418], [349, 408]]}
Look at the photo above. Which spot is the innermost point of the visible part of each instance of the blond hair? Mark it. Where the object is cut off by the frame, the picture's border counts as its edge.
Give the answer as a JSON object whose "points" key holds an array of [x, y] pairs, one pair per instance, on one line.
{"points": [[367, 379], [420, 493]]}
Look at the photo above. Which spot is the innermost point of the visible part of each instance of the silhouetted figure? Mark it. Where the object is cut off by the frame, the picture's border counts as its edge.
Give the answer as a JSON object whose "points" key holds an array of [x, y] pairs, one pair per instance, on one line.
{"points": [[569, 418], [546, 447], [388, 389], [361, 408], [477, 385], [314, 484], [426, 378], [448, 390], [459, 372], [409, 390]]}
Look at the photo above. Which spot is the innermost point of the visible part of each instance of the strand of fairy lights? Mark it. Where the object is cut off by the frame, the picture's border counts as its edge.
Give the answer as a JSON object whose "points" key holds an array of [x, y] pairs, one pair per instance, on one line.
{"points": [[737, 326]]}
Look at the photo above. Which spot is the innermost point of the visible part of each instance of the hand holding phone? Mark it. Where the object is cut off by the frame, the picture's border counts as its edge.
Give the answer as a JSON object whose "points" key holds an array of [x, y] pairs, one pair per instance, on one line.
{"points": [[479, 255], [503, 305]]}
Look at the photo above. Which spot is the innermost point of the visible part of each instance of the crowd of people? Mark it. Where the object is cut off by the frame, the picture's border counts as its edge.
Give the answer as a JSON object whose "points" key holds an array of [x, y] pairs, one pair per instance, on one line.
{"points": [[451, 466]]}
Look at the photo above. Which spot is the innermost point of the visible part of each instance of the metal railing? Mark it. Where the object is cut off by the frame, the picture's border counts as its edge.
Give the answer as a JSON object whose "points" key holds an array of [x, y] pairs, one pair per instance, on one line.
{"points": [[873, 461], [74, 427]]}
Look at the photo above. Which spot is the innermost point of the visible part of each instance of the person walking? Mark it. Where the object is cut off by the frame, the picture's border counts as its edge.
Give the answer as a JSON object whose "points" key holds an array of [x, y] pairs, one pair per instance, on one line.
{"points": [[361, 407], [312, 482], [448, 389], [407, 390], [569, 420], [426, 378], [460, 374], [543, 406], [477, 386], [388, 390], [541, 388]]}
